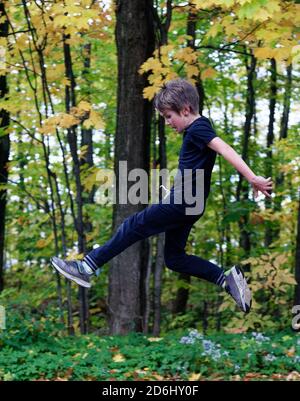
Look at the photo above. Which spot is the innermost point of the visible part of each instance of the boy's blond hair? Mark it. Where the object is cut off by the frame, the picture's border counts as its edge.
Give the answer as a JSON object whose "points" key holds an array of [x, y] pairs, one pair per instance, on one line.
{"points": [[175, 95]]}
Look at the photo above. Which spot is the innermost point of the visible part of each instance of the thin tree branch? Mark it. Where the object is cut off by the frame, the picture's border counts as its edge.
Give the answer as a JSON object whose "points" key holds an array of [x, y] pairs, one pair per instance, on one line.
{"points": [[223, 49], [27, 130], [44, 207], [13, 33]]}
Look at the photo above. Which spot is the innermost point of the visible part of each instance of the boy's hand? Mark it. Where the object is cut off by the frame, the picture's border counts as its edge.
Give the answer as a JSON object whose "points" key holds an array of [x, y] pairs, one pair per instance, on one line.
{"points": [[264, 185]]}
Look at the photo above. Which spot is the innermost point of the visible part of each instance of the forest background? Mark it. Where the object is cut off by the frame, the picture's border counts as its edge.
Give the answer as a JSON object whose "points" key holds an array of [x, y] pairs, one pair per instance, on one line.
{"points": [[76, 89]]}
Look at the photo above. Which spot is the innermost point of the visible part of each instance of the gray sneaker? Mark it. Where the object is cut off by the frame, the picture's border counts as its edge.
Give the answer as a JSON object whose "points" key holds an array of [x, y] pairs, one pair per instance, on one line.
{"points": [[237, 287], [72, 270]]}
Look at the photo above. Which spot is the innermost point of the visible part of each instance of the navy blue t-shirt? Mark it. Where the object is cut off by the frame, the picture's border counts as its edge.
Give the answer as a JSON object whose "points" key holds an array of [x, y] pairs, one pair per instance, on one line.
{"points": [[195, 154]]}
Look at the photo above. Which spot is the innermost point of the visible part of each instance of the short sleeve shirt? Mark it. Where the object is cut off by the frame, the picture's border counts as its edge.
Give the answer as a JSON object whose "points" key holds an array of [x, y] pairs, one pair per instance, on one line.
{"points": [[194, 152]]}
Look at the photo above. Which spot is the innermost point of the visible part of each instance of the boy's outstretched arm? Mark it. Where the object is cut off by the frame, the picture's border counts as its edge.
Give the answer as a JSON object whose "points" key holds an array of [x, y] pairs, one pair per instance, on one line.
{"points": [[264, 185]]}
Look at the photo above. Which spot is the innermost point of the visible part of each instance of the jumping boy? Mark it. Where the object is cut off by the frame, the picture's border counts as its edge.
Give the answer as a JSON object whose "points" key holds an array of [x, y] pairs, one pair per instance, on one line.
{"points": [[178, 103]]}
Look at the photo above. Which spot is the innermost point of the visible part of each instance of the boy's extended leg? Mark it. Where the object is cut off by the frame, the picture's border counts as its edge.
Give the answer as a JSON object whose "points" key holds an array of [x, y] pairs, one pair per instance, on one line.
{"points": [[177, 259], [152, 220]]}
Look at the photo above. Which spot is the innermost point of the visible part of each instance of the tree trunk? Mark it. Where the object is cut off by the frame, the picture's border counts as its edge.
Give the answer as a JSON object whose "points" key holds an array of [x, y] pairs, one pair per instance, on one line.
{"points": [[70, 101], [87, 133], [242, 190], [145, 283], [180, 302], [135, 42], [225, 197], [162, 163], [51, 207], [86, 140], [4, 154], [297, 258], [269, 234], [283, 133], [191, 31], [158, 272], [159, 263]]}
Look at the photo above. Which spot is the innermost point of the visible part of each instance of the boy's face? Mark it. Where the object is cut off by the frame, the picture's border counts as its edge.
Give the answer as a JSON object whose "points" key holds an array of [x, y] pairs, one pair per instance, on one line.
{"points": [[177, 121]]}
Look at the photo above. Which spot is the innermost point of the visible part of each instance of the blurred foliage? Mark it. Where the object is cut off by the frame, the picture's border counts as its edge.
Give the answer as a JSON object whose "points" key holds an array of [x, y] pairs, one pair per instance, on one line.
{"points": [[32, 349]]}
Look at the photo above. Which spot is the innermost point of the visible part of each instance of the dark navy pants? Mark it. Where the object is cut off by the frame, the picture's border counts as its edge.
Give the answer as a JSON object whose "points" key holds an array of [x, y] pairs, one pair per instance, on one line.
{"points": [[157, 218]]}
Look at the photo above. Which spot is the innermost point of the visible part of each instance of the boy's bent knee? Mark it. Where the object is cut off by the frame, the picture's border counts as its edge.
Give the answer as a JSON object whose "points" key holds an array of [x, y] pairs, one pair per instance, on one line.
{"points": [[175, 262]]}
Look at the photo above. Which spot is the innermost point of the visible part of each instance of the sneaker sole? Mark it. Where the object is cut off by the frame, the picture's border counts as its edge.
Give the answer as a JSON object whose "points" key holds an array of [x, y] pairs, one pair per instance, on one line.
{"points": [[70, 277], [247, 293]]}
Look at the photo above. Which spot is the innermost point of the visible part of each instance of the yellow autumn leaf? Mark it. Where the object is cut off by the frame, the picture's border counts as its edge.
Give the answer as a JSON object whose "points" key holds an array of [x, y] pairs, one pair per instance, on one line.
{"points": [[165, 56], [166, 49], [228, 20], [152, 64], [191, 71], [60, 21], [65, 120], [49, 126], [154, 339], [166, 60], [150, 92], [279, 260], [83, 151], [65, 81], [71, 30], [3, 41], [21, 42], [79, 113], [261, 15], [74, 39], [118, 358], [182, 39], [157, 78], [43, 242], [267, 35], [10, 106], [203, 4], [242, 2], [232, 30], [273, 6], [94, 120], [90, 180], [81, 23], [194, 377], [170, 75], [225, 3], [83, 112], [214, 30], [289, 280], [263, 52], [282, 53], [296, 53], [83, 105], [187, 55], [56, 72]]}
